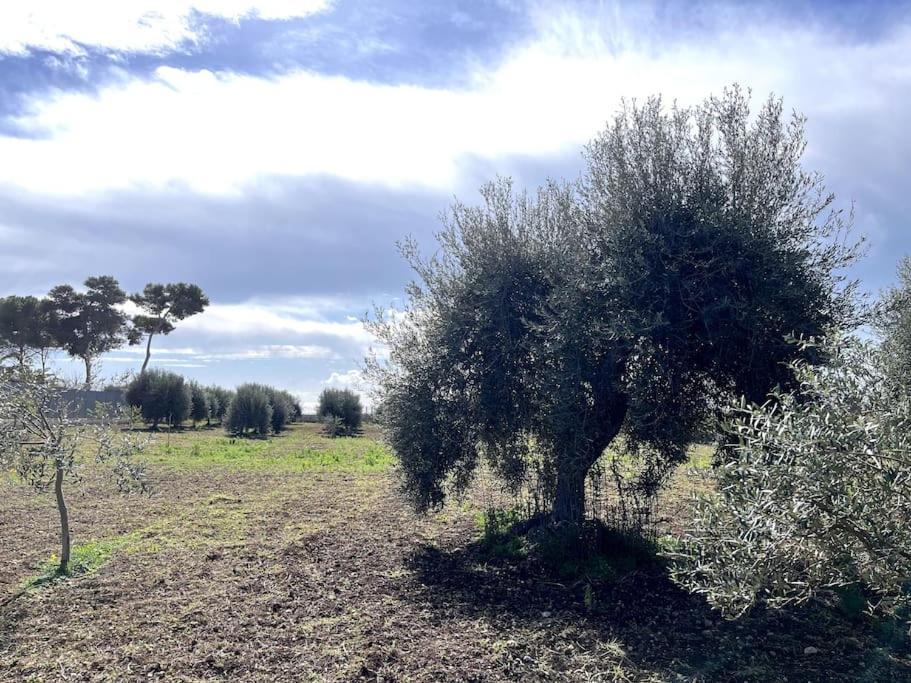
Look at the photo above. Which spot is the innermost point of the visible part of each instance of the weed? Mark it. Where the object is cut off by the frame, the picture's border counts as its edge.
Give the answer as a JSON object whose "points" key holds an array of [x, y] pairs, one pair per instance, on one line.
{"points": [[86, 558], [499, 538]]}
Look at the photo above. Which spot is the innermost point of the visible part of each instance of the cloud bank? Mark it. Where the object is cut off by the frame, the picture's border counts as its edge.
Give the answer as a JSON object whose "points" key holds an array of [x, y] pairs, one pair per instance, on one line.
{"points": [[282, 187], [68, 28]]}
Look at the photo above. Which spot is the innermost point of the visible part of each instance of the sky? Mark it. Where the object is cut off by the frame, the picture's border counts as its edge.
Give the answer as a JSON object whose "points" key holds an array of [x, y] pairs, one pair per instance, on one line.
{"points": [[275, 151]]}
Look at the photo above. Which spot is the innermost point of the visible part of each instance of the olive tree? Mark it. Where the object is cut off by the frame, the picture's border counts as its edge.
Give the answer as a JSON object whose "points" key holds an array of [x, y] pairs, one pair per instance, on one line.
{"points": [[162, 306], [219, 400], [249, 411], [199, 403], [813, 492], [340, 411], [621, 308], [282, 404], [44, 445], [160, 396]]}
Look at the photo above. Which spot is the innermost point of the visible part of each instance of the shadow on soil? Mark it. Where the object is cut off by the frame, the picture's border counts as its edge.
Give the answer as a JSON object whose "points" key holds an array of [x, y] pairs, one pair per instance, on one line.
{"points": [[662, 629], [10, 615]]}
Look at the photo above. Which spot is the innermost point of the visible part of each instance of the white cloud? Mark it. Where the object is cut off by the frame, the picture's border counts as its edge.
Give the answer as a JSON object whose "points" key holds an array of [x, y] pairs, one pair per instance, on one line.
{"points": [[259, 352], [219, 132], [350, 379], [294, 351], [289, 330], [145, 26], [281, 319]]}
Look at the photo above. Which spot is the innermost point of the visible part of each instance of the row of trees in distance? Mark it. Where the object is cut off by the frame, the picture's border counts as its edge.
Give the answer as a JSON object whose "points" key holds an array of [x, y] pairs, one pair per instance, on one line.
{"points": [[164, 397], [86, 324]]}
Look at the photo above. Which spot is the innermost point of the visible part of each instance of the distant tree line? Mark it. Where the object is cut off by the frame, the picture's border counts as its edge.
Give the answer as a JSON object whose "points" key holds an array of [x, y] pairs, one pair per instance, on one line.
{"points": [[163, 397], [86, 324]]}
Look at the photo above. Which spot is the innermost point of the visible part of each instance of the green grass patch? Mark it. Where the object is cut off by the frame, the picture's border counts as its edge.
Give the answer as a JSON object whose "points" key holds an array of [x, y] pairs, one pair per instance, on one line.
{"points": [[218, 519], [701, 456], [300, 448], [499, 542], [85, 558]]}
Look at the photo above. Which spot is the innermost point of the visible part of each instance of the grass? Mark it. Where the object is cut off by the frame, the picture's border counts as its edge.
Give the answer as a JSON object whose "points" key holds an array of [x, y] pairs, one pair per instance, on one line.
{"points": [[301, 448], [219, 518], [85, 558], [257, 559]]}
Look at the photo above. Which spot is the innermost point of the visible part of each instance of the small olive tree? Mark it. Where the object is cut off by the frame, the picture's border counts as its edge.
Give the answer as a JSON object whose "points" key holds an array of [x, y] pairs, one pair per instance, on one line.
{"points": [[160, 396], [219, 401], [813, 491], [282, 404], [44, 445], [340, 411], [249, 411], [199, 403]]}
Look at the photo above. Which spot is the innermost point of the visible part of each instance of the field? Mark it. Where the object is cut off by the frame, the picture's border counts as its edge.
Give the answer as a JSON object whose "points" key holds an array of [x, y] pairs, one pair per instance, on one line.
{"points": [[294, 558]]}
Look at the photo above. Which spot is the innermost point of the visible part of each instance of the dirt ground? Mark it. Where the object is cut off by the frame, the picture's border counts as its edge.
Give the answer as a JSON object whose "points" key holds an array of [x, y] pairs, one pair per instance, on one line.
{"points": [[323, 574]]}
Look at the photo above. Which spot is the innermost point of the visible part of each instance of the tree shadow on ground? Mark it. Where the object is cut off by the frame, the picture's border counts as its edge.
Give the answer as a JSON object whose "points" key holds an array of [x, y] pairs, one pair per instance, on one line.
{"points": [[661, 629], [10, 615]]}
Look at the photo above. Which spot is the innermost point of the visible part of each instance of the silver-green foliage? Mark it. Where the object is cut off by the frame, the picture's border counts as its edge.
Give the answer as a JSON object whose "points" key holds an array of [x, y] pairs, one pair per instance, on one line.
{"points": [[199, 402], [160, 396], [44, 446], [249, 411], [340, 412], [628, 304], [813, 493], [893, 322]]}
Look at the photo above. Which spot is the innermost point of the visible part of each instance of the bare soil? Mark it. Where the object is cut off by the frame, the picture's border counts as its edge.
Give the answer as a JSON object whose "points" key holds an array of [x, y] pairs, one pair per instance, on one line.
{"points": [[326, 575]]}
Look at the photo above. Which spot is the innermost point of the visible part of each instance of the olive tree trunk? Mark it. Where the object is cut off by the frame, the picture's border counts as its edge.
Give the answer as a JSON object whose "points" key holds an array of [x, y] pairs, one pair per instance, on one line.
{"points": [[569, 501], [573, 468], [64, 522]]}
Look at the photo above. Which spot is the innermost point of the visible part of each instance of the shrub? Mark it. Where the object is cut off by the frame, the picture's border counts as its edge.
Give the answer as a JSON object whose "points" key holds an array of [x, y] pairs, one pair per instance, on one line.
{"points": [[219, 400], [814, 492], [340, 412], [199, 403], [282, 404], [249, 411], [160, 396], [212, 405]]}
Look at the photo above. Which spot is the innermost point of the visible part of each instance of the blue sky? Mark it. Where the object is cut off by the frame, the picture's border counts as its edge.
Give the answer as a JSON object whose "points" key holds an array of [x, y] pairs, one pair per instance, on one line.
{"points": [[274, 151]]}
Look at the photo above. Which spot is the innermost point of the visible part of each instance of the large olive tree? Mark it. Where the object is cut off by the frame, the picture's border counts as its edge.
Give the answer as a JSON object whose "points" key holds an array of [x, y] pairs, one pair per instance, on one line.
{"points": [[625, 304]]}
